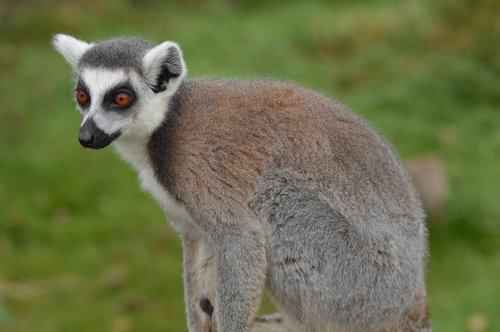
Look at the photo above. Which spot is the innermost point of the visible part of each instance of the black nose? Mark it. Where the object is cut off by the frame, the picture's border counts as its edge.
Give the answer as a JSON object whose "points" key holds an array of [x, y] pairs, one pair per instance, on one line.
{"points": [[86, 137], [91, 136]]}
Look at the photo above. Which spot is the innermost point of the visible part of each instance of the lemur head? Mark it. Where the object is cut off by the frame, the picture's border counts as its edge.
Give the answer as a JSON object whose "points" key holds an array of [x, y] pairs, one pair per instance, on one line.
{"points": [[123, 85]]}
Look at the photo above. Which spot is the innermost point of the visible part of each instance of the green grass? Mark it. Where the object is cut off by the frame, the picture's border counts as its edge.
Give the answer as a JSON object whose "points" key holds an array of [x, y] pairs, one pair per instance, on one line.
{"points": [[83, 249]]}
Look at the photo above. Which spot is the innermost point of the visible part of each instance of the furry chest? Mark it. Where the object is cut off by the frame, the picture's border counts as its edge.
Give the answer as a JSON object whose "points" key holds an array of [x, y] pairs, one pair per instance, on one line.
{"points": [[177, 214], [136, 154]]}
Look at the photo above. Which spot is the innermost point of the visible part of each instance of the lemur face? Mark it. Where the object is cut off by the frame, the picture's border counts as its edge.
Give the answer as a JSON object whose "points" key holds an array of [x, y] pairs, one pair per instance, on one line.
{"points": [[110, 101], [122, 86]]}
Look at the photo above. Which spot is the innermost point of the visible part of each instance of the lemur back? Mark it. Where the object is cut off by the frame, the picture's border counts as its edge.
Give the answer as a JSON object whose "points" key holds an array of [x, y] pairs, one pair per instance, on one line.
{"points": [[269, 185], [221, 130]]}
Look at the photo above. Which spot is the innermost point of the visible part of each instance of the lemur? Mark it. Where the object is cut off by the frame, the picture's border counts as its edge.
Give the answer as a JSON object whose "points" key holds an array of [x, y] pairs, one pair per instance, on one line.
{"points": [[269, 185]]}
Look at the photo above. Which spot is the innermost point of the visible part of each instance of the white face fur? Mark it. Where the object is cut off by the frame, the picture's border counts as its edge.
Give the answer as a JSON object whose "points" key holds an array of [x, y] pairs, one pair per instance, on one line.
{"points": [[119, 93], [140, 118]]}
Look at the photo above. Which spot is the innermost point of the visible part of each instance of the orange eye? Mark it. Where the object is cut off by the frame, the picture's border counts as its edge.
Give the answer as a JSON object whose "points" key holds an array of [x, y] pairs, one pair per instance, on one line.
{"points": [[122, 99], [82, 97]]}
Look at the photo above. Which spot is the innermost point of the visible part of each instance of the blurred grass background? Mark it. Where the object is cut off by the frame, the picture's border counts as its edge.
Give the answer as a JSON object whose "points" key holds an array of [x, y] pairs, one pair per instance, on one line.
{"points": [[83, 249]]}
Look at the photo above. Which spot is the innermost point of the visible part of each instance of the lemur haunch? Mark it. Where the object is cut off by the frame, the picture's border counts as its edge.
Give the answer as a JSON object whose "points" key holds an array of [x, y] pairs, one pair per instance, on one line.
{"points": [[270, 185]]}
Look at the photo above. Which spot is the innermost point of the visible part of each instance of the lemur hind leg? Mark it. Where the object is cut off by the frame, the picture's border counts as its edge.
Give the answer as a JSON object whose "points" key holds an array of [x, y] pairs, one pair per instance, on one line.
{"points": [[326, 271]]}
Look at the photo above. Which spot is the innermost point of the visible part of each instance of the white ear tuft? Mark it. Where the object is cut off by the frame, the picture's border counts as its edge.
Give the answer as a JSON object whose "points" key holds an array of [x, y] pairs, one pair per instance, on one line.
{"points": [[164, 67], [71, 48]]}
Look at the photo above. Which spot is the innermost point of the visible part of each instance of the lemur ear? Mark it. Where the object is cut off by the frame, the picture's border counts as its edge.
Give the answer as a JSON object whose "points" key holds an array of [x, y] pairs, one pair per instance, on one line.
{"points": [[71, 48], [164, 67]]}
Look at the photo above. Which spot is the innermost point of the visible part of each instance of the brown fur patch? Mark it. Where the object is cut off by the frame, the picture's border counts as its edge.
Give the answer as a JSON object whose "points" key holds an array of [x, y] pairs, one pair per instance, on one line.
{"points": [[225, 137]]}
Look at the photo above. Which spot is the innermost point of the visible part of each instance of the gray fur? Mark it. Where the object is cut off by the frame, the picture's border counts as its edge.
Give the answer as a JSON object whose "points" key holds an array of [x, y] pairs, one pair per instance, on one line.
{"points": [[123, 53], [352, 275], [274, 186]]}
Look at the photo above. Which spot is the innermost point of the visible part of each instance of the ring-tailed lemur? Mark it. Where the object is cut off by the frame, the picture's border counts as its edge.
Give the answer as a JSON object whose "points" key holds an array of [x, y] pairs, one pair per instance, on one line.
{"points": [[270, 185]]}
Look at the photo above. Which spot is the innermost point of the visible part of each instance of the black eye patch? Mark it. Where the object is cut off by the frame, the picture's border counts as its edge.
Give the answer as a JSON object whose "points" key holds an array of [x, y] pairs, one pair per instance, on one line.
{"points": [[109, 103], [80, 86]]}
